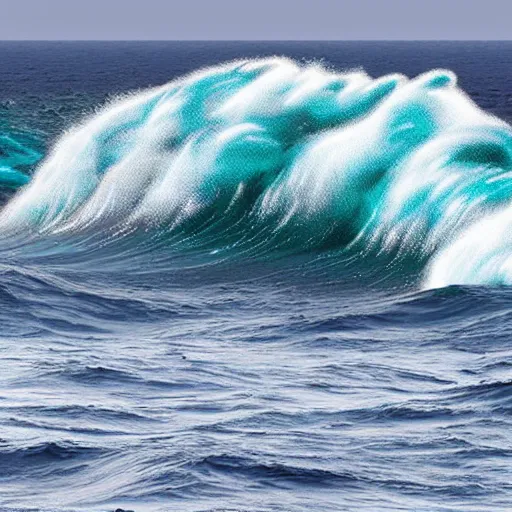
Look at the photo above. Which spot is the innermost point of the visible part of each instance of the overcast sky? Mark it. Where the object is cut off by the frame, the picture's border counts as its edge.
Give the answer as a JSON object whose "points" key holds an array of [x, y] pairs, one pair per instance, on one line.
{"points": [[256, 19]]}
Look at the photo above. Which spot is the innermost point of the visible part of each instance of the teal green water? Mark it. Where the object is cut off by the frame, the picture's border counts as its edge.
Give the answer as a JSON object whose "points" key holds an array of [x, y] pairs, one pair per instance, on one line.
{"points": [[305, 156]]}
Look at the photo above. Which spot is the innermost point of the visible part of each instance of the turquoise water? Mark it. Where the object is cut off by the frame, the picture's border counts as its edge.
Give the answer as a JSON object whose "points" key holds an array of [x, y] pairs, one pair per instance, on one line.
{"points": [[232, 280]]}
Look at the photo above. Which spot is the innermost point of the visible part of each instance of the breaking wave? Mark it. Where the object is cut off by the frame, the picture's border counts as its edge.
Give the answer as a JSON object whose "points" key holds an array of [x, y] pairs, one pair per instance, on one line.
{"points": [[274, 154]]}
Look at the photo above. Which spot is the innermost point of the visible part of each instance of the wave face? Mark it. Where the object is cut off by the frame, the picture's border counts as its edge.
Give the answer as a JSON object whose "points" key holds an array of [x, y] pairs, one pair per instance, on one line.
{"points": [[273, 154]]}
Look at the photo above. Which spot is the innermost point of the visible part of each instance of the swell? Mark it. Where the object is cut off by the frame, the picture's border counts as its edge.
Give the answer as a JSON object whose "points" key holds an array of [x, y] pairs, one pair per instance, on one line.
{"points": [[254, 158]]}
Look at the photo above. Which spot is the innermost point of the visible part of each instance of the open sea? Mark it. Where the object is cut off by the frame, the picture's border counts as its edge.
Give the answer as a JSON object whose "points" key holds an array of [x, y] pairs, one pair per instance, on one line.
{"points": [[255, 276]]}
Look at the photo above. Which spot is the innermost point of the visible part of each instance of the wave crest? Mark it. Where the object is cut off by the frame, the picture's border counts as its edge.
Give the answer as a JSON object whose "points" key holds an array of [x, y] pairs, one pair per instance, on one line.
{"points": [[298, 151]]}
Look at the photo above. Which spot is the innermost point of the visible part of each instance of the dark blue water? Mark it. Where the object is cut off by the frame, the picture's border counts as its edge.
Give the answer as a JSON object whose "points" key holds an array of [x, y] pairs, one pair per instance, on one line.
{"points": [[222, 366]]}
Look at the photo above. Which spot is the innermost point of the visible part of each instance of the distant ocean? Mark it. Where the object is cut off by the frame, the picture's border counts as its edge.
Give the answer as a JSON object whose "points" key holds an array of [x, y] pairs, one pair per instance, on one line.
{"points": [[255, 276]]}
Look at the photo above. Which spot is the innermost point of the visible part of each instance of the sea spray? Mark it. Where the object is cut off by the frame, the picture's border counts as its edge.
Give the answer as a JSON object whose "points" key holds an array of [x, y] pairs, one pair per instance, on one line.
{"points": [[301, 153]]}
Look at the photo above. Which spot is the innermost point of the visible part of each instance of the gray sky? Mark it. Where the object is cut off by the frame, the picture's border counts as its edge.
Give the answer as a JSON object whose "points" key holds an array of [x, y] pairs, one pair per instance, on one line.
{"points": [[255, 19]]}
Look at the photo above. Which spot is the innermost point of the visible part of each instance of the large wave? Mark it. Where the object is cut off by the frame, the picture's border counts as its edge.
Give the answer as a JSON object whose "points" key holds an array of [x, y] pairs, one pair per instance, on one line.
{"points": [[276, 152]]}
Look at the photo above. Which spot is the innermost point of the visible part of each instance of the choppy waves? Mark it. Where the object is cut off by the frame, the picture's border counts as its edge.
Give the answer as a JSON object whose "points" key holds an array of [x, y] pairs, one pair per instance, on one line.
{"points": [[254, 397]]}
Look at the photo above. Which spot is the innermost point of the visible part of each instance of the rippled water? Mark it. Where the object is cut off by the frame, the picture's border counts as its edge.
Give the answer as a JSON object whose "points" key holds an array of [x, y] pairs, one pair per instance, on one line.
{"points": [[179, 376]]}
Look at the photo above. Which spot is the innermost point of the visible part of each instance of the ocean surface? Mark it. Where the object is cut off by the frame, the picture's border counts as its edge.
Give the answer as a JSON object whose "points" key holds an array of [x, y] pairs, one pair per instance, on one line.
{"points": [[255, 277]]}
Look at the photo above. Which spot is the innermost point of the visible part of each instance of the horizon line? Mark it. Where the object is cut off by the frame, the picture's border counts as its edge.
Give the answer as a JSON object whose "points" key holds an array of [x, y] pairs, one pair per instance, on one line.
{"points": [[255, 40]]}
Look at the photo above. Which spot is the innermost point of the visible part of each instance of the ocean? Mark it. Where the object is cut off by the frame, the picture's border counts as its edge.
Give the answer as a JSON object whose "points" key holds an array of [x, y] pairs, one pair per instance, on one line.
{"points": [[255, 276]]}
